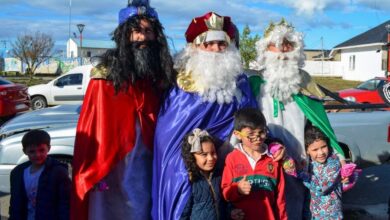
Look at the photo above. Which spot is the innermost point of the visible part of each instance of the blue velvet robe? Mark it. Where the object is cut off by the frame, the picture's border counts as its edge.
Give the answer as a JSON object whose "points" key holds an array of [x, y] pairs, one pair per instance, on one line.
{"points": [[182, 112]]}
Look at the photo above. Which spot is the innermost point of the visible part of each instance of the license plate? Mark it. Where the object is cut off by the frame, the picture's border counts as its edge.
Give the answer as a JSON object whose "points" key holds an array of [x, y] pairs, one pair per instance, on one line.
{"points": [[21, 106]]}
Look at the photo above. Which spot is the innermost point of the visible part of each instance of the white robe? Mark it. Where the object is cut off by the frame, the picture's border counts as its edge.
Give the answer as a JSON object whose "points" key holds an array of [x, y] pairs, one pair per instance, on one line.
{"points": [[289, 126]]}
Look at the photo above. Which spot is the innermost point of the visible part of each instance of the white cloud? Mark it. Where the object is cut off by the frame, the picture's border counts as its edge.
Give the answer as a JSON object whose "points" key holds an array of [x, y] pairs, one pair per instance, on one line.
{"points": [[380, 5], [311, 7], [100, 16]]}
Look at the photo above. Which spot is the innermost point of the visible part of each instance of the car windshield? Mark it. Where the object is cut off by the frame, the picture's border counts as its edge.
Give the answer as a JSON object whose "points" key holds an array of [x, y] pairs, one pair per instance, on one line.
{"points": [[371, 84], [4, 81]]}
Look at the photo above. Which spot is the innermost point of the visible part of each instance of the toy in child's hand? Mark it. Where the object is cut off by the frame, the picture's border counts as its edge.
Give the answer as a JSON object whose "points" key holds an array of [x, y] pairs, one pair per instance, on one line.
{"points": [[288, 162], [349, 175]]}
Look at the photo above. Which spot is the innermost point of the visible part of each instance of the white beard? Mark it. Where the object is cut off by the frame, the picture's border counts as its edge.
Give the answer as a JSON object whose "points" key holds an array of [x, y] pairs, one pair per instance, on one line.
{"points": [[215, 73], [282, 75]]}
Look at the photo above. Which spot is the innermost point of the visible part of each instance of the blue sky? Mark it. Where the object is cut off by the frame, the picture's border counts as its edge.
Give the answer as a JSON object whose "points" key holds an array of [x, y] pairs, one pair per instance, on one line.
{"points": [[334, 20]]}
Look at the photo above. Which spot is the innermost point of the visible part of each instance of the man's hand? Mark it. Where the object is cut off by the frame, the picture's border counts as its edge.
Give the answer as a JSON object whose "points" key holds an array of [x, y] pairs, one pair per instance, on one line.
{"points": [[237, 214], [280, 154], [244, 187]]}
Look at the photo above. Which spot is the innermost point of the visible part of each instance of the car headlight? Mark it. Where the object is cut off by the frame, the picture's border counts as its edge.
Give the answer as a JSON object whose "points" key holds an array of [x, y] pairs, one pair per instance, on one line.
{"points": [[350, 99]]}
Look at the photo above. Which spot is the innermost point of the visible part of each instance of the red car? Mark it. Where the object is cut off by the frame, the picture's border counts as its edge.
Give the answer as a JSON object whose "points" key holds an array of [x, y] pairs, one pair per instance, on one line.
{"points": [[367, 92], [13, 98]]}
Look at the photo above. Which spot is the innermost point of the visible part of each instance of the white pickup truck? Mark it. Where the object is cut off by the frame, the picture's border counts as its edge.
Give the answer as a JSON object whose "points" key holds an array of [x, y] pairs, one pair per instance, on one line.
{"points": [[68, 88]]}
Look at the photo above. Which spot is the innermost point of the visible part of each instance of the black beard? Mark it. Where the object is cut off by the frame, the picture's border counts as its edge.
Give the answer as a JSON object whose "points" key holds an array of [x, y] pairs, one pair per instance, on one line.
{"points": [[146, 62]]}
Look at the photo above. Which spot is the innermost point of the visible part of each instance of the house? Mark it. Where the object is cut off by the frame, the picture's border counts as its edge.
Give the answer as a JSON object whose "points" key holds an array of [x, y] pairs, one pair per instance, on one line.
{"points": [[317, 54], [89, 48], [365, 55]]}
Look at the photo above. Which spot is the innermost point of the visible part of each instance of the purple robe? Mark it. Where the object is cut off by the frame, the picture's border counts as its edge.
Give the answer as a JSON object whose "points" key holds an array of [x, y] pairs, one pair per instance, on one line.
{"points": [[181, 113]]}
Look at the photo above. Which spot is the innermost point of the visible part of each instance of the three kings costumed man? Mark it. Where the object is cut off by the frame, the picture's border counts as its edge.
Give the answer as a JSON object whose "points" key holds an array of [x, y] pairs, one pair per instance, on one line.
{"points": [[289, 98], [211, 87], [112, 166]]}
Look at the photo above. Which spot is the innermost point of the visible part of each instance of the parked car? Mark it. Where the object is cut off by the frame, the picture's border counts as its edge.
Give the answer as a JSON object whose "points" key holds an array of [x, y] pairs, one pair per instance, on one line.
{"points": [[363, 135], [68, 88], [59, 121], [366, 92], [13, 98]]}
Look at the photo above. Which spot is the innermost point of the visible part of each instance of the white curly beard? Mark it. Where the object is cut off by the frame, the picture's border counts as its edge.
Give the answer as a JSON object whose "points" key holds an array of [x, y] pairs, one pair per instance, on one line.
{"points": [[282, 75], [214, 72]]}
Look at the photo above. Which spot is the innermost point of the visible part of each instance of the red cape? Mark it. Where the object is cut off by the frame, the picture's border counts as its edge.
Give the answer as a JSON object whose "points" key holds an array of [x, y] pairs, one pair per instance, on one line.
{"points": [[106, 132]]}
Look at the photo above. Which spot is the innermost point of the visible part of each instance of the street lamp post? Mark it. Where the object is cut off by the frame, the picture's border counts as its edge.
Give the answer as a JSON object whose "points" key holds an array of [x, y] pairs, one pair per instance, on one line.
{"points": [[81, 28], [388, 49]]}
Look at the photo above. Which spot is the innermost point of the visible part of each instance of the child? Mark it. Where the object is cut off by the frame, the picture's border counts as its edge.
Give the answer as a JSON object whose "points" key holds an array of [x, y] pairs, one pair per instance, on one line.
{"points": [[251, 179], [40, 187], [324, 180], [200, 157]]}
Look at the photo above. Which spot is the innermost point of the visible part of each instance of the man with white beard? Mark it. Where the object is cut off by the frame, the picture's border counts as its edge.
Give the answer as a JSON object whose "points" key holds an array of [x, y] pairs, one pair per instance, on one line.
{"points": [[210, 89], [288, 98]]}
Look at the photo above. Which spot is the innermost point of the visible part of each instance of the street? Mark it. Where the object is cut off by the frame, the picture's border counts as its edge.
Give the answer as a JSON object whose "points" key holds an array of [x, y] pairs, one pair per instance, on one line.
{"points": [[366, 201]]}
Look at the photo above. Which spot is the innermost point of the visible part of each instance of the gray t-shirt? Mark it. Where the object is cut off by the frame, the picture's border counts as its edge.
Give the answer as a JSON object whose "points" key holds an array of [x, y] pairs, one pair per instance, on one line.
{"points": [[31, 185]]}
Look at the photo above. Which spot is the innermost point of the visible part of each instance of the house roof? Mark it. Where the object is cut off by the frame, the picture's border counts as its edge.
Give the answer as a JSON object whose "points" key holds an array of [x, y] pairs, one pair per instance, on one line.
{"points": [[105, 44], [326, 54], [377, 34]]}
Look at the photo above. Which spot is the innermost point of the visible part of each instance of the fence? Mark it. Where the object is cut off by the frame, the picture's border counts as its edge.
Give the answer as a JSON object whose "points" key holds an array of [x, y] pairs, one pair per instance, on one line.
{"points": [[50, 66], [325, 68]]}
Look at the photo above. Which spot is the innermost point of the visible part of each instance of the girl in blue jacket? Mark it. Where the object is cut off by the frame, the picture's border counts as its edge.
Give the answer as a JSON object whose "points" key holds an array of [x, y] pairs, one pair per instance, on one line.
{"points": [[200, 158]]}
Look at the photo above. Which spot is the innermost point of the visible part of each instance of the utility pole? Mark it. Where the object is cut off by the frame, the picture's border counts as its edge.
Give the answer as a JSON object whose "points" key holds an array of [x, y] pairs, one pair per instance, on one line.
{"points": [[322, 55], [81, 28], [5, 48], [70, 16]]}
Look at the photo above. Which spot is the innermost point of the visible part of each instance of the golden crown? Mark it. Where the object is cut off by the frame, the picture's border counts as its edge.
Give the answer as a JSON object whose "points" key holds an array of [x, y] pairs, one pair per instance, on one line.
{"points": [[272, 26]]}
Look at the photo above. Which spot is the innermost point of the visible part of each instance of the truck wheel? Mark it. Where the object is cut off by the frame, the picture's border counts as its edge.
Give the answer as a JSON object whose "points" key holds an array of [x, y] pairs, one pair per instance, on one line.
{"points": [[38, 102]]}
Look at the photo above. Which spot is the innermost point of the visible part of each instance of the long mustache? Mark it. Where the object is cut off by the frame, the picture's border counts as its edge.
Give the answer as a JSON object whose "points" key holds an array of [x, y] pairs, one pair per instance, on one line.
{"points": [[141, 44]]}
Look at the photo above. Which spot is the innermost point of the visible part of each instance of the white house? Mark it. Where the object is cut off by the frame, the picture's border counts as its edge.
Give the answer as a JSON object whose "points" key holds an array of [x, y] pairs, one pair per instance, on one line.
{"points": [[89, 48], [365, 55]]}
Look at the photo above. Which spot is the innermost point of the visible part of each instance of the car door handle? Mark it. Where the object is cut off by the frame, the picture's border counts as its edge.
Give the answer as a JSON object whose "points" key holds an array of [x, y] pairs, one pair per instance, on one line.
{"points": [[78, 87]]}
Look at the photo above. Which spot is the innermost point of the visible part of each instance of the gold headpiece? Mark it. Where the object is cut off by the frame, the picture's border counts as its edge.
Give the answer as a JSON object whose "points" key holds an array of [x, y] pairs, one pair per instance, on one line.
{"points": [[214, 22], [272, 26]]}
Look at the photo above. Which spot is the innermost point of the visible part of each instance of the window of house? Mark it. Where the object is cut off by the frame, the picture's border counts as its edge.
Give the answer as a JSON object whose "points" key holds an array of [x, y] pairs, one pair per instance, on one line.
{"points": [[352, 62], [88, 53]]}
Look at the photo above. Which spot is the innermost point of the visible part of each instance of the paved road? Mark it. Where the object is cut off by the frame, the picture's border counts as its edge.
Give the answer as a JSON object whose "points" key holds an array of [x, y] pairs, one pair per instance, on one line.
{"points": [[4, 204], [369, 198], [366, 201]]}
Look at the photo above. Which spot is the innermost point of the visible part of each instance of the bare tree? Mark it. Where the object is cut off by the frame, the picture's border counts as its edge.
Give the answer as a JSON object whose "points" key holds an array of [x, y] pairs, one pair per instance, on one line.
{"points": [[33, 50]]}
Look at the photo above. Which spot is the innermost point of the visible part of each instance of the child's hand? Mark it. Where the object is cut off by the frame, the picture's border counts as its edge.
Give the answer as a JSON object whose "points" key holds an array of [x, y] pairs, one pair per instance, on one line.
{"points": [[237, 214], [244, 187], [345, 180], [280, 154]]}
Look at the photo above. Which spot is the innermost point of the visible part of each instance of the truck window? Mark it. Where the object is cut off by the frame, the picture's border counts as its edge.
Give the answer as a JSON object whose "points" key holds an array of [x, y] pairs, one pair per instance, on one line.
{"points": [[70, 80]]}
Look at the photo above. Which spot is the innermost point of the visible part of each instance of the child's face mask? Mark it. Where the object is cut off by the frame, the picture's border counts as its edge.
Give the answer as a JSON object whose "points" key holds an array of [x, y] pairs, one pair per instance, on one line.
{"points": [[252, 138]]}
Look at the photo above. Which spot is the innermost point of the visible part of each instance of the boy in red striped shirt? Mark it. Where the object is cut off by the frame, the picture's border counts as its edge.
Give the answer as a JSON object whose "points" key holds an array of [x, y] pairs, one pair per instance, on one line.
{"points": [[252, 180]]}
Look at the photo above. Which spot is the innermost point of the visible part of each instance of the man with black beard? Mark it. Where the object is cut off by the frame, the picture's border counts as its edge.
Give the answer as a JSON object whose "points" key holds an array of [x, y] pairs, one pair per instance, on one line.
{"points": [[112, 165], [289, 99], [210, 88]]}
